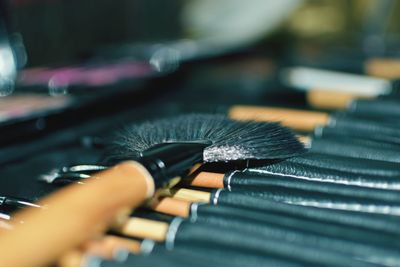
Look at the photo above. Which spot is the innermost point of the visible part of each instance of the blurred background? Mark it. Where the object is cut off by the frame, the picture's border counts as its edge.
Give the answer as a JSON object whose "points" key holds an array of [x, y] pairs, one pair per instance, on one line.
{"points": [[55, 31], [74, 70]]}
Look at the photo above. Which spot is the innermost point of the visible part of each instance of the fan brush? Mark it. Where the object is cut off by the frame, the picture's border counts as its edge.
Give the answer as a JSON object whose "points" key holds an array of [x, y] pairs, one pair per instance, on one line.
{"points": [[156, 153], [218, 137]]}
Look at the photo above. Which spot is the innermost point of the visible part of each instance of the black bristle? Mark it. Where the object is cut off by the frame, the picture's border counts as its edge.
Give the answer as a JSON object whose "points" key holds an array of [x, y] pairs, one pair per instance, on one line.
{"points": [[229, 139]]}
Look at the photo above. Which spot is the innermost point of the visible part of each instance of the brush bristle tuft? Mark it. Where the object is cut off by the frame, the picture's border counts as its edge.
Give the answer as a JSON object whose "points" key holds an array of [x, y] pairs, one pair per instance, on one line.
{"points": [[229, 139]]}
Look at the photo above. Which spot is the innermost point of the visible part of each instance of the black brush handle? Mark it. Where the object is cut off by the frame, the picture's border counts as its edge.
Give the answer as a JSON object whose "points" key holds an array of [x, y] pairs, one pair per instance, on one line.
{"points": [[170, 160], [348, 164], [319, 199], [351, 147], [307, 172], [359, 128], [167, 260], [328, 190], [359, 123], [293, 222], [384, 224], [367, 251], [198, 254], [256, 244], [376, 108], [158, 257]]}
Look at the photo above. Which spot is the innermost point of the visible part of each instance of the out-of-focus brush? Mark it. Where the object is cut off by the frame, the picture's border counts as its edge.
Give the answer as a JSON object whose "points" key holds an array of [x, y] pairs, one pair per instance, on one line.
{"points": [[341, 124], [170, 147], [336, 144], [337, 90], [105, 246]]}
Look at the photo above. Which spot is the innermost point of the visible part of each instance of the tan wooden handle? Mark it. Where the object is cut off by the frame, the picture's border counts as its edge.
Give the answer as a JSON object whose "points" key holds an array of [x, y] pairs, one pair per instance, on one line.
{"points": [[73, 215], [295, 119], [144, 228], [326, 99], [172, 206], [191, 195], [208, 179], [383, 68]]}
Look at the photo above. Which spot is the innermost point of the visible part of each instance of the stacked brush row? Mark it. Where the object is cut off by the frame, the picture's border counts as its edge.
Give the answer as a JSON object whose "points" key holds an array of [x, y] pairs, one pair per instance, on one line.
{"points": [[338, 204]]}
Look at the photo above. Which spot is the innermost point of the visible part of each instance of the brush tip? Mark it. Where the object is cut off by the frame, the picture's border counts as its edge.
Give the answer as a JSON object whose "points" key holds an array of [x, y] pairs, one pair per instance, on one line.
{"points": [[229, 139]]}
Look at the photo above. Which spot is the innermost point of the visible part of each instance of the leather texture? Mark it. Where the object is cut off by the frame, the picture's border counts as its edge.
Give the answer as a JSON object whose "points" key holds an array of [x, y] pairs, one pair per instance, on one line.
{"points": [[348, 164], [360, 128], [386, 107], [177, 258], [296, 234], [370, 222], [201, 253], [250, 217], [294, 170], [256, 243], [322, 196], [355, 148]]}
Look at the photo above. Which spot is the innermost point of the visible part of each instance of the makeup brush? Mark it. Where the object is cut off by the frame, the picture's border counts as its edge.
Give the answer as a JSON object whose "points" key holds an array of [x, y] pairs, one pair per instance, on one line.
{"points": [[295, 188], [229, 213], [306, 229], [200, 254], [126, 230], [306, 78], [302, 191], [173, 206], [15, 203], [336, 90], [317, 194], [388, 68], [171, 147], [194, 255], [301, 120], [340, 145], [105, 247], [140, 228], [380, 67], [243, 199], [371, 170], [357, 166], [284, 189], [232, 219], [379, 106], [183, 232], [291, 181], [321, 122], [350, 171], [361, 166]]}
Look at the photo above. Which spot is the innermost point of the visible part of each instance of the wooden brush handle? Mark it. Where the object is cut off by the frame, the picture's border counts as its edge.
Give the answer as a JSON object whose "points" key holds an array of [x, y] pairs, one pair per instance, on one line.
{"points": [[172, 206], [326, 99], [295, 119], [144, 228], [191, 195], [208, 180], [73, 215], [383, 68]]}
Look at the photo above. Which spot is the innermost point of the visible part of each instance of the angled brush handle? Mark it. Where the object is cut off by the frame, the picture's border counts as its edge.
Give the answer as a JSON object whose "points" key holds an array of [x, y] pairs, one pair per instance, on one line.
{"points": [[295, 119], [74, 214]]}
